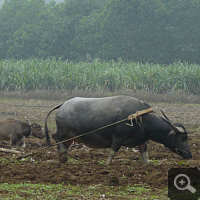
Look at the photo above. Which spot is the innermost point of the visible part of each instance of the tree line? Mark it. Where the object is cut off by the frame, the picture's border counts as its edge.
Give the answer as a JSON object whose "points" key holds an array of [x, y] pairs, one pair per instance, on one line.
{"points": [[156, 31]]}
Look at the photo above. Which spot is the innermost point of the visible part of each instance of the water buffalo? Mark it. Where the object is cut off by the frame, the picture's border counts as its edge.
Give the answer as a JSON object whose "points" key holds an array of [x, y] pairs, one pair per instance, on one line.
{"points": [[82, 115], [14, 130]]}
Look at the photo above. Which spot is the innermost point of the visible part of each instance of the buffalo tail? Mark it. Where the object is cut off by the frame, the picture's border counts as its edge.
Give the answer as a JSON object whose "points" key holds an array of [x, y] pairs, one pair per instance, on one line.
{"points": [[48, 141]]}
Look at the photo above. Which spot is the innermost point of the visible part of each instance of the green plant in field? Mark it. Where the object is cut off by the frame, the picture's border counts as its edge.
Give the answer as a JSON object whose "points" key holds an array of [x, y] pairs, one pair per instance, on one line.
{"points": [[57, 191], [54, 74], [183, 163], [123, 177], [4, 160], [134, 189], [156, 162], [72, 160], [101, 162]]}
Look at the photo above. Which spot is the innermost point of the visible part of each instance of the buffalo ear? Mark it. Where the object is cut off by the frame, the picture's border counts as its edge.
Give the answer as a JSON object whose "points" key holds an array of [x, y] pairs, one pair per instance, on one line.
{"points": [[172, 133], [175, 128], [180, 129]]}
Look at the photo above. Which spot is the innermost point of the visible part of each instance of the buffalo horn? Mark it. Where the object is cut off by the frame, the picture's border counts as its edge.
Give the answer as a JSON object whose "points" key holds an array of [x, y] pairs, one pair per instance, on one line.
{"points": [[165, 116], [172, 125]]}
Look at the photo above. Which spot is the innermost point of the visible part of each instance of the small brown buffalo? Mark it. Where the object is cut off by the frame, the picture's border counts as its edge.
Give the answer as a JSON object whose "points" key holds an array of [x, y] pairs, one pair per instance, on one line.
{"points": [[15, 130]]}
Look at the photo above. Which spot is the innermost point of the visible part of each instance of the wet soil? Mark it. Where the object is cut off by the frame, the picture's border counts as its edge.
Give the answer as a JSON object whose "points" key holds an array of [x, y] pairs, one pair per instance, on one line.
{"points": [[87, 166]]}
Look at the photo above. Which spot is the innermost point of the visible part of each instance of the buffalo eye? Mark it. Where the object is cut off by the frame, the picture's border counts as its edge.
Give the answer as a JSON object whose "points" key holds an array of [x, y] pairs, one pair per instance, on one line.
{"points": [[184, 137]]}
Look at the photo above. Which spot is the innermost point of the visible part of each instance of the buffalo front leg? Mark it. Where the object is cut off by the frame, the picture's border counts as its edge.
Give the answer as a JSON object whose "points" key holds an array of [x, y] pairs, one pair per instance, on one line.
{"points": [[143, 152], [110, 157], [117, 143]]}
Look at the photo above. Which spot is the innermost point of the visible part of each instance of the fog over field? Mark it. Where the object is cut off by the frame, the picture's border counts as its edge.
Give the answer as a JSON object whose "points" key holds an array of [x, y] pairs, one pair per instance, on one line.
{"points": [[57, 1]]}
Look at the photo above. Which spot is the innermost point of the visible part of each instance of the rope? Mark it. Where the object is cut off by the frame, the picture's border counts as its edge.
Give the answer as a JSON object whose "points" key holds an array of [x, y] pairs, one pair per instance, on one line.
{"points": [[130, 118]]}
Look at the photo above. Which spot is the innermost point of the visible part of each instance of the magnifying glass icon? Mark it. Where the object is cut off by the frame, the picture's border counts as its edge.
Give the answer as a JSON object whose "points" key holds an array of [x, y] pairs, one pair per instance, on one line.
{"points": [[186, 184]]}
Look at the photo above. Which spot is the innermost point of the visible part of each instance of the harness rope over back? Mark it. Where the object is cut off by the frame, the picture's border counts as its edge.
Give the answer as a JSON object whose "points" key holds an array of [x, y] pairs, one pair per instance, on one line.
{"points": [[138, 115]]}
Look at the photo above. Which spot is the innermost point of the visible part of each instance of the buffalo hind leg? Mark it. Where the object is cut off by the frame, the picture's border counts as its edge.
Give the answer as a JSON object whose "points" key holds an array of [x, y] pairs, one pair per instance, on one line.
{"points": [[62, 148], [62, 152], [143, 152]]}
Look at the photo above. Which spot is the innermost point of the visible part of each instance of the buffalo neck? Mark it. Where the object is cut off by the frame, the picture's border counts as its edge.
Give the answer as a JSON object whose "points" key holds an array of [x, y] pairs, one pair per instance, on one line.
{"points": [[156, 128], [26, 131]]}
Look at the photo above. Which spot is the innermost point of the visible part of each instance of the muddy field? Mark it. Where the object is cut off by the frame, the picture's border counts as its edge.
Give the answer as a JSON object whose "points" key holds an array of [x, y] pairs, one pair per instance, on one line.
{"points": [[87, 166]]}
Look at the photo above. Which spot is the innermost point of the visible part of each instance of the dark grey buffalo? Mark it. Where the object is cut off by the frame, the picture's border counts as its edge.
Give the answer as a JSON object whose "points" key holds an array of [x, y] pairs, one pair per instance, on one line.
{"points": [[14, 130], [82, 115]]}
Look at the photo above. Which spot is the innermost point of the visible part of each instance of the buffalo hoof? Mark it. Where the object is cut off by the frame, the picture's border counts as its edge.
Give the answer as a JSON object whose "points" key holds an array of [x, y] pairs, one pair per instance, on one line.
{"points": [[62, 157]]}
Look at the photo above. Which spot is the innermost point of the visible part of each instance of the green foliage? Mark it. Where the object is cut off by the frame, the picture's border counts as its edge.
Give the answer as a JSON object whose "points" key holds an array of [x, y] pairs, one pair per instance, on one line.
{"points": [[59, 191], [64, 75], [156, 31]]}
